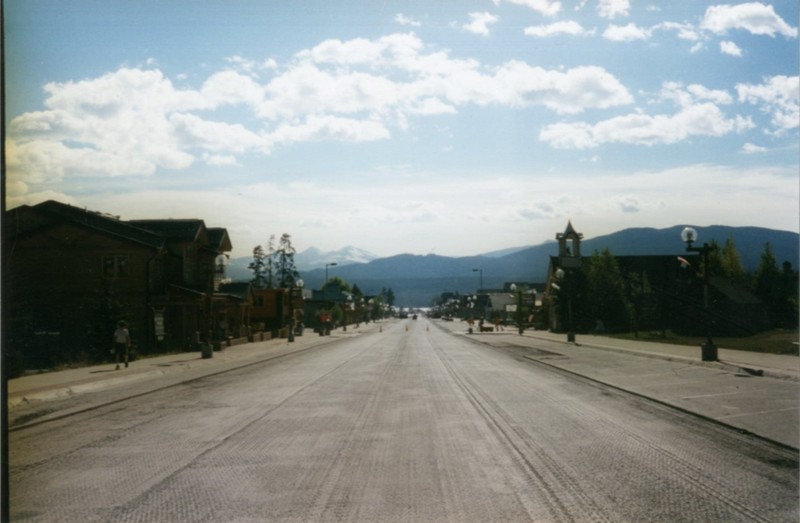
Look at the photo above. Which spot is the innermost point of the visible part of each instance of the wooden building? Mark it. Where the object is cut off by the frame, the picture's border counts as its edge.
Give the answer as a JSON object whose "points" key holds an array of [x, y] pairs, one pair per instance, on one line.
{"points": [[72, 274]]}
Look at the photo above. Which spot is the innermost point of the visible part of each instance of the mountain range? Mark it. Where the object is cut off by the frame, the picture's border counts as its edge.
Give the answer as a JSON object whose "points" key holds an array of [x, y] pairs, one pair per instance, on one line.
{"points": [[417, 279]]}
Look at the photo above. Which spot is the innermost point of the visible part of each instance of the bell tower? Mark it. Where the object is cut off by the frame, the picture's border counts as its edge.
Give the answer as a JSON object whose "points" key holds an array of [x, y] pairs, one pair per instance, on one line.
{"points": [[569, 246]]}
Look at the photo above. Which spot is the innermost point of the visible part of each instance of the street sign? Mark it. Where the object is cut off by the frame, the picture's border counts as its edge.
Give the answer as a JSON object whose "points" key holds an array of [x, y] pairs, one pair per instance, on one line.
{"points": [[158, 323]]}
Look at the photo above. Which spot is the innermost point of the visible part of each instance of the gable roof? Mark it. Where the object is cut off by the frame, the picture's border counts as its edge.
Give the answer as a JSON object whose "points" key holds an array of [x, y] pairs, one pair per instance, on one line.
{"points": [[29, 219], [240, 290], [219, 239], [180, 230]]}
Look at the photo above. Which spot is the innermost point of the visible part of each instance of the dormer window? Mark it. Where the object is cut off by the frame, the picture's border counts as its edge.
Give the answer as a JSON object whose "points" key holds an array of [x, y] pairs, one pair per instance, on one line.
{"points": [[117, 266]]}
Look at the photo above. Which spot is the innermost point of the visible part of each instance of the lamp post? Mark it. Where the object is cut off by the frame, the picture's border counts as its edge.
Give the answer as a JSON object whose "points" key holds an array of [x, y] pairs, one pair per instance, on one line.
{"points": [[518, 295], [348, 305], [469, 305], [480, 280], [689, 236], [332, 264], [560, 276], [299, 285]]}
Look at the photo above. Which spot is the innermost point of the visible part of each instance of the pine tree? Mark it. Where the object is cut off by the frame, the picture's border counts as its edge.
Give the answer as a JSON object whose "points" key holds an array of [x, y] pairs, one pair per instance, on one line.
{"points": [[389, 294], [767, 275], [715, 263], [285, 270], [270, 262], [767, 285], [731, 265], [259, 267], [606, 288]]}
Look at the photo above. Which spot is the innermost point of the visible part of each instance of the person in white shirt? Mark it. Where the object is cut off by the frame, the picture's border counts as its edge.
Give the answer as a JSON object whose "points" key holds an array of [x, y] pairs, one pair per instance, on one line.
{"points": [[122, 342]]}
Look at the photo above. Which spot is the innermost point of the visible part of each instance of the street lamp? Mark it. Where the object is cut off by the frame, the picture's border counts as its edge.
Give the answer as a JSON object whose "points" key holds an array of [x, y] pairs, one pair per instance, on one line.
{"points": [[518, 296], [299, 285], [470, 305], [481, 278], [348, 306], [560, 276], [689, 236], [332, 264]]}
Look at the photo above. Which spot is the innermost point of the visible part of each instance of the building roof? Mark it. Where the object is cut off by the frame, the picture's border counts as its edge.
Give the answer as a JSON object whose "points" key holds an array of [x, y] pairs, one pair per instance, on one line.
{"points": [[27, 219], [240, 290], [219, 239], [181, 230], [570, 232], [152, 233]]}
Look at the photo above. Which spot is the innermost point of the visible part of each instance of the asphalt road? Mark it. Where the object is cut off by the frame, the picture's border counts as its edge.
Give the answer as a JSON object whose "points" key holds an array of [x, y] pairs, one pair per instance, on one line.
{"points": [[409, 424]]}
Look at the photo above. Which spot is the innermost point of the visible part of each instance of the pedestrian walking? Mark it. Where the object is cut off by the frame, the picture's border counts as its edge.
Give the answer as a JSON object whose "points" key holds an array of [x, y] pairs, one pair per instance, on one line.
{"points": [[122, 342]]}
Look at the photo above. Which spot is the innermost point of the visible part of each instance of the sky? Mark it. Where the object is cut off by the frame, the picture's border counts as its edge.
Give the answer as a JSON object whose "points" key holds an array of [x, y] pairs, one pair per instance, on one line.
{"points": [[454, 127]]}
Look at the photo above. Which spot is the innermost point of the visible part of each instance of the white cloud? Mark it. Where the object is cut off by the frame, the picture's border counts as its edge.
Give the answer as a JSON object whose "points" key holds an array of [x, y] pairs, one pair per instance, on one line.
{"points": [[219, 160], [544, 7], [114, 125], [567, 27], [613, 8], [383, 51], [629, 204], [134, 122], [402, 19], [316, 128], [231, 88], [626, 33], [777, 96], [479, 23], [595, 202], [703, 119], [729, 48], [754, 17], [685, 31], [750, 148], [567, 92], [693, 93], [214, 136]]}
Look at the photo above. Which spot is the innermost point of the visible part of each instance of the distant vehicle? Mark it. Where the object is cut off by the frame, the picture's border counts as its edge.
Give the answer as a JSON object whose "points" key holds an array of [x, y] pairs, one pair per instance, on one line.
{"points": [[414, 317]]}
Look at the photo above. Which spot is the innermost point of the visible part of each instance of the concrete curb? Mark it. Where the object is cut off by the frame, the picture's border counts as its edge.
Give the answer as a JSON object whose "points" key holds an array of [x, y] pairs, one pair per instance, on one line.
{"points": [[741, 369], [720, 364]]}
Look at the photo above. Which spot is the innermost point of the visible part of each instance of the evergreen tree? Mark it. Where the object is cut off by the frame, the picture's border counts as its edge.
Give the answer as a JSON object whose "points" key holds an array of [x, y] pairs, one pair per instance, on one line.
{"points": [[259, 267], [767, 275], [337, 280], [270, 262], [637, 288], [789, 284], [731, 265], [285, 270], [606, 290], [770, 286], [715, 263], [389, 296]]}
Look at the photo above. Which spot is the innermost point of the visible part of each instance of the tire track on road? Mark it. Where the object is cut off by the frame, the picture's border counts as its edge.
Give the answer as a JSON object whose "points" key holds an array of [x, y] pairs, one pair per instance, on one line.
{"points": [[555, 482], [681, 469]]}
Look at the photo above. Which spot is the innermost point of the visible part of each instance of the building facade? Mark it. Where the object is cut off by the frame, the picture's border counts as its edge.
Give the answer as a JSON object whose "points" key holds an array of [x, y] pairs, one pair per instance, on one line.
{"points": [[72, 274]]}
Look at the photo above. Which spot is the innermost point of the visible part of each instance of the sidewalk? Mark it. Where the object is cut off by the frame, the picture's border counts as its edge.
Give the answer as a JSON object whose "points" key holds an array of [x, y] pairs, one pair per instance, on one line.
{"points": [[780, 366], [35, 396], [751, 392]]}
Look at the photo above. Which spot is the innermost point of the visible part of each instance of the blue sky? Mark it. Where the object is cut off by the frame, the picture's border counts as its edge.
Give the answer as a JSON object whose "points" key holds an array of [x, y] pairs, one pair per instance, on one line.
{"points": [[452, 127]]}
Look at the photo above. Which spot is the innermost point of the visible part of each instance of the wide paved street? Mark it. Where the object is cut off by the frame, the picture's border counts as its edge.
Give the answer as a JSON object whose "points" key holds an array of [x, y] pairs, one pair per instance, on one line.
{"points": [[409, 424]]}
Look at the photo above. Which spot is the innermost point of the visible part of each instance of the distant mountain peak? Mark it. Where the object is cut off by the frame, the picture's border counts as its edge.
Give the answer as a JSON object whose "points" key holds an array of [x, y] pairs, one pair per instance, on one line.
{"points": [[314, 258]]}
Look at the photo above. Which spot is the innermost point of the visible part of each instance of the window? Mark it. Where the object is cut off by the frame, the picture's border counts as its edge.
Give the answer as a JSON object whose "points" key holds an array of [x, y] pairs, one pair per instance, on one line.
{"points": [[116, 266]]}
